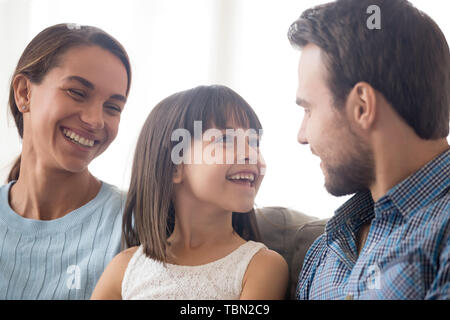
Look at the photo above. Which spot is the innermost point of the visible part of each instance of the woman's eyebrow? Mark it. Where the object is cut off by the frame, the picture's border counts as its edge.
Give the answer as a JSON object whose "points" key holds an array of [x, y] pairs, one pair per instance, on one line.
{"points": [[81, 80], [91, 86], [119, 97]]}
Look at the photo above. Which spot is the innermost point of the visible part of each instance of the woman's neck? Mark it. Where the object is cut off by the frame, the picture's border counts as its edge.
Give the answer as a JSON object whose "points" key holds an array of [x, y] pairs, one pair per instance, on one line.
{"points": [[45, 194]]}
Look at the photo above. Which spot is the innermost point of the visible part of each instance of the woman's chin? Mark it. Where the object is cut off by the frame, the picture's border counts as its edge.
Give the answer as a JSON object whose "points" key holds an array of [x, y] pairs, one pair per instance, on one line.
{"points": [[74, 166]]}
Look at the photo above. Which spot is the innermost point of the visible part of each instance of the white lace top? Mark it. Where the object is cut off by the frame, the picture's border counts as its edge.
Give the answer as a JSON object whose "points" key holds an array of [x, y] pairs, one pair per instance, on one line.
{"points": [[146, 278]]}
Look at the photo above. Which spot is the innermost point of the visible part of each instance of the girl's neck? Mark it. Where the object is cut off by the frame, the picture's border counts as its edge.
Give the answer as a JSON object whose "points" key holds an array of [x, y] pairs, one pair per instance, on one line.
{"points": [[200, 225], [44, 194]]}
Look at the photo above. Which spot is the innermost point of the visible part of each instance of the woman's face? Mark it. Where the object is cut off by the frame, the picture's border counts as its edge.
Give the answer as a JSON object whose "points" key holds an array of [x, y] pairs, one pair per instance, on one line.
{"points": [[74, 113]]}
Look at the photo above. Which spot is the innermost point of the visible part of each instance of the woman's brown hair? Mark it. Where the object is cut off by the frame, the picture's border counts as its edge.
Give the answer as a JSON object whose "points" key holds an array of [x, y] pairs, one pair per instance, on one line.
{"points": [[149, 216], [43, 53]]}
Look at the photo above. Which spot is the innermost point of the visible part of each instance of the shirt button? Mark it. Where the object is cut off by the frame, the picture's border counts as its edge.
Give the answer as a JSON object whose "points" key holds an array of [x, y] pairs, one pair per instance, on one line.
{"points": [[349, 297]]}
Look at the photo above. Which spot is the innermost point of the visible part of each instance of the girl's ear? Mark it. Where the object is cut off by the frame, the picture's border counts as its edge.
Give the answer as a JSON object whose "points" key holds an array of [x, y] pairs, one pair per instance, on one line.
{"points": [[177, 176]]}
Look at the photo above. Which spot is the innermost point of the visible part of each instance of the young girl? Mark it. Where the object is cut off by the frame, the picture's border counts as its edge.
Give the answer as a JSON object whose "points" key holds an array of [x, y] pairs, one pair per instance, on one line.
{"points": [[192, 224]]}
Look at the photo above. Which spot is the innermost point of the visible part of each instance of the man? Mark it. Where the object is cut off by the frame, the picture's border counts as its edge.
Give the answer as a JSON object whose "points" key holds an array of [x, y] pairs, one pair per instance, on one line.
{"points": [[376, 104]]}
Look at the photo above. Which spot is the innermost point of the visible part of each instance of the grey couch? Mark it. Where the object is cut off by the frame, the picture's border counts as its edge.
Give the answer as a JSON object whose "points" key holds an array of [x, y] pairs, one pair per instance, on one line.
{"points": [[290, 233]]}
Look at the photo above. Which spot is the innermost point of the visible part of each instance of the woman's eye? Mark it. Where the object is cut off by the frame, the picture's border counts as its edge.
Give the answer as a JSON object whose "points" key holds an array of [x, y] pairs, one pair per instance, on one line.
{"points": [[113, 108], [76, 93]]}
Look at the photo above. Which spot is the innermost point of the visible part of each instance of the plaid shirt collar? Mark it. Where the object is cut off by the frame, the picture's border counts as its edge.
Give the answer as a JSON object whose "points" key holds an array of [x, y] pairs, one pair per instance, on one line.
{"points": [[408, 196], [421, 188]]}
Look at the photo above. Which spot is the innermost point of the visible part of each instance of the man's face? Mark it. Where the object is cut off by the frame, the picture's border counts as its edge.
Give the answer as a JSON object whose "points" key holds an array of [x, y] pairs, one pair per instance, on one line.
{"points": [[346, 161]]}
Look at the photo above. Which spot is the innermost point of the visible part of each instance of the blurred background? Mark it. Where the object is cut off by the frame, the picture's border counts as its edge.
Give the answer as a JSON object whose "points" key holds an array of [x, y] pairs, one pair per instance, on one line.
{"points": [[179, 44]]}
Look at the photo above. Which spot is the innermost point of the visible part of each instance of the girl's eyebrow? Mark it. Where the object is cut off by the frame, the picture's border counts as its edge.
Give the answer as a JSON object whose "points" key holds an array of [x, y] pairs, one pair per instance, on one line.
{"points": [[91, 86]]}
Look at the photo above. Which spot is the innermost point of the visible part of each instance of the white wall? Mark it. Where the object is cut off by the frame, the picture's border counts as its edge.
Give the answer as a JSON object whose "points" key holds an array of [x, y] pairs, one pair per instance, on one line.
{"points": [[178, 44]]}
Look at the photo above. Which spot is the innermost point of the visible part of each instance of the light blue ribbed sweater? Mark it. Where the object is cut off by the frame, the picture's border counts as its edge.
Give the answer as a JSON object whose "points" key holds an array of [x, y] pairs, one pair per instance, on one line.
{"points": [[61, 258]]}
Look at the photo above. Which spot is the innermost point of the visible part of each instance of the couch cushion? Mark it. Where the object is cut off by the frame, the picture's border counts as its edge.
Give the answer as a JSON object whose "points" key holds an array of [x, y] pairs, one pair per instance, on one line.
{"points": [[290, 233]]}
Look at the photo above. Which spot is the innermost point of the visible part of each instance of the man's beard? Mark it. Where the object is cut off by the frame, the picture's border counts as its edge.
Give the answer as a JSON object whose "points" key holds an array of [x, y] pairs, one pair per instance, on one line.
{"points": [[355, 171]]}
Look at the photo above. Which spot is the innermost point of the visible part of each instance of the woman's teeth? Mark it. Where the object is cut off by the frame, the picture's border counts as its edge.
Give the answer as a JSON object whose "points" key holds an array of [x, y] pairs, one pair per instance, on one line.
{"points": [[75, 137]]}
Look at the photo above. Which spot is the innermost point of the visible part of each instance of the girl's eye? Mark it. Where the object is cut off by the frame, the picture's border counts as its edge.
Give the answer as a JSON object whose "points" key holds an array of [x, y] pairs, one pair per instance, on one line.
{"points": [[226, 139], [253, 142]]}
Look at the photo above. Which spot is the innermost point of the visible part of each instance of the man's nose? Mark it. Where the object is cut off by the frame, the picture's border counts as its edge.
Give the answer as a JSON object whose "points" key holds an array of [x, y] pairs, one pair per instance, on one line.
{"points": [[301, 136]]}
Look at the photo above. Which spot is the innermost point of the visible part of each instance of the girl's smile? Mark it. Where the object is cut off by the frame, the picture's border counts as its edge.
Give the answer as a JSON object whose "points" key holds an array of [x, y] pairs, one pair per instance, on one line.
{"points": [[246, 178]]}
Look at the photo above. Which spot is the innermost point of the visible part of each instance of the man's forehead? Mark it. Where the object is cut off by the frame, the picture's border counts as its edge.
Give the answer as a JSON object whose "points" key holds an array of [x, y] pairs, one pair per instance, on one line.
{"points": [[311, 73], [311, 61]]}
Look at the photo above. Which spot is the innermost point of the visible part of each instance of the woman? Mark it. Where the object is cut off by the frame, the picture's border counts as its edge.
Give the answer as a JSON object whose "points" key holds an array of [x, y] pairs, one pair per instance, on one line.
{"points": [[59, 225]]}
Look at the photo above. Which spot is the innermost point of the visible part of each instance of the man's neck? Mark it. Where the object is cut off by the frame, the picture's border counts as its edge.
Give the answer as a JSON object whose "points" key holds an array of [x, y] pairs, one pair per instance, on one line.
{"points": [[395, 163]]}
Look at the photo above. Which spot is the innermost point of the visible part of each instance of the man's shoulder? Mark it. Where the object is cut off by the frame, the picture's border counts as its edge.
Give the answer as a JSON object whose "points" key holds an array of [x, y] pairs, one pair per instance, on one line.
{"points": [[436, 211]]}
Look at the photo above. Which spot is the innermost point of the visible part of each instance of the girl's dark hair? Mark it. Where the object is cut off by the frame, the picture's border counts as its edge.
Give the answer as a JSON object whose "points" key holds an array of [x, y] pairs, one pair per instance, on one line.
{"points": [[44, 52], [149, 215], [407, 60]]}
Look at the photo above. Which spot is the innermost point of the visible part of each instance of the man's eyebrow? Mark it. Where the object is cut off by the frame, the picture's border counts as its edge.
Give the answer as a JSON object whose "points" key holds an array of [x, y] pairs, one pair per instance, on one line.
{"points": [[91, 86], [302, 102]]}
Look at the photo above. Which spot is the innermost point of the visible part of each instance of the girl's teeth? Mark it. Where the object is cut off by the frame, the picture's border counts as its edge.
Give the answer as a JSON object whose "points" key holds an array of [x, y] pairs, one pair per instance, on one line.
{"points": [[249, 177]]}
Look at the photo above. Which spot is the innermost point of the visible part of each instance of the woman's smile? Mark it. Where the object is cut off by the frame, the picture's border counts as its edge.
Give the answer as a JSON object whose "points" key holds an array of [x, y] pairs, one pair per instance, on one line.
{"points": [[80, 141]]}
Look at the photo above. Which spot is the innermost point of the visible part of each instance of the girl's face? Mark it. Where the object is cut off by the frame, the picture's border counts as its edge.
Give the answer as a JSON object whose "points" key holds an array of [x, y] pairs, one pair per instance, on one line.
{"points": [[74, 112], [225, 185]]}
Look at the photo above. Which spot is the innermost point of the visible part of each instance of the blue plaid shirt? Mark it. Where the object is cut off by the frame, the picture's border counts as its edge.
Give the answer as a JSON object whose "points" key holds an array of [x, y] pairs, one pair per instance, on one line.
{"points": [[407, 251]]}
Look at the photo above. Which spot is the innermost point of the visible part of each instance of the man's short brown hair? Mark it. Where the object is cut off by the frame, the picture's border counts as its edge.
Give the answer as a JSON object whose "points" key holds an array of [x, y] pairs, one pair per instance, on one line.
{"points": [[407, 60]]}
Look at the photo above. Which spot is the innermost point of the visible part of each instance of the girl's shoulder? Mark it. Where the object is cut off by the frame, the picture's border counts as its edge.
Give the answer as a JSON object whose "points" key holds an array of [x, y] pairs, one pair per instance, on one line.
{"points": [[266, 276], [109, 285], [266, 257], [125, 256]]}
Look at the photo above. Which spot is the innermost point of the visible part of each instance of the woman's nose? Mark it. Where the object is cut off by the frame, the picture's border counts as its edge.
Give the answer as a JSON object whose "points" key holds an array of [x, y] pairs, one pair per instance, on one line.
{"points": [[93, 116]]}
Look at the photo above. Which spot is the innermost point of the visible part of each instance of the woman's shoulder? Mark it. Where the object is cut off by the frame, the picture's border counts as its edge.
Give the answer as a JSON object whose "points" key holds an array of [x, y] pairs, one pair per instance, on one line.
{"points": [[110, 197], [110, 190]]}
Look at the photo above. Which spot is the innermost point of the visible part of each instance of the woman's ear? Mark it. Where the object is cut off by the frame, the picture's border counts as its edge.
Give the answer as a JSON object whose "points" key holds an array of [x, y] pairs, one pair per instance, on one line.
{"points": [[22, 90], [177, 176]]}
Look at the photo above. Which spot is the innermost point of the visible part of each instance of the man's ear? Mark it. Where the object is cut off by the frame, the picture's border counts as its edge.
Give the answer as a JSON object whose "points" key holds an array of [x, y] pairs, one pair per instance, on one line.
{"points": [[177, 176], [22, 91], [362, 105]]}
